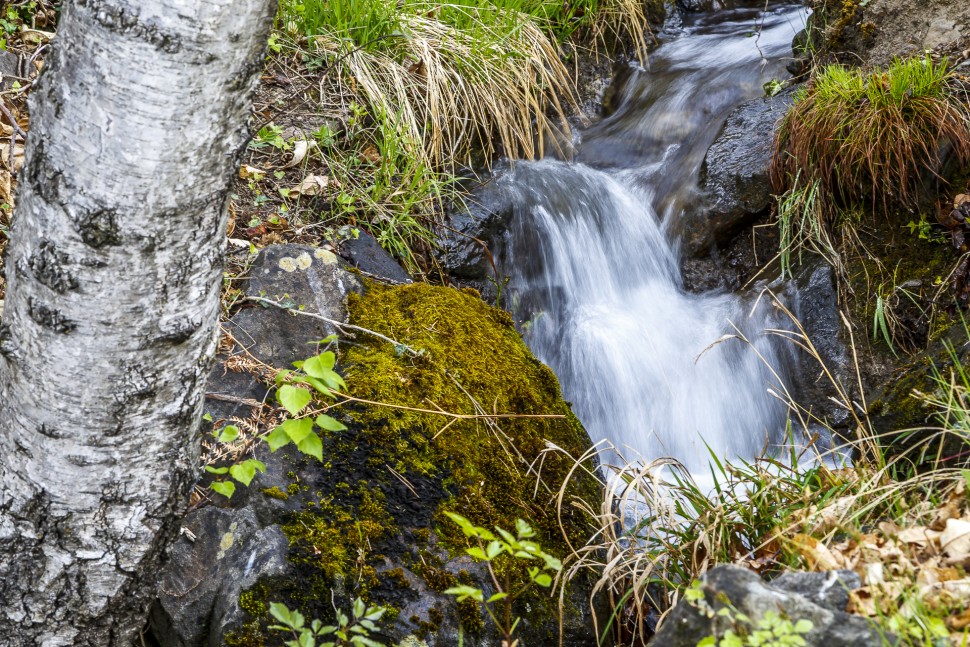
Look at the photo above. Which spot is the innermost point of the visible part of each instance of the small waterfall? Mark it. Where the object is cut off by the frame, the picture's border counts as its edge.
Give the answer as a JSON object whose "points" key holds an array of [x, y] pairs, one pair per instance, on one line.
{"points": [[595, 280]]}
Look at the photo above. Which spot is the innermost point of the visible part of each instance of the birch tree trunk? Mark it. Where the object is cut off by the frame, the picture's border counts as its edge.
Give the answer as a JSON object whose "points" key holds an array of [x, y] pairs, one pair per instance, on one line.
{"points": [[110, 321]]}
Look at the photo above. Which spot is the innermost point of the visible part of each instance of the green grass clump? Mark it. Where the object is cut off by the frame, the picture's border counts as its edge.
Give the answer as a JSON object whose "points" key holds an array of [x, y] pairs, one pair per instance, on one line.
{"points": [[872, 139]]}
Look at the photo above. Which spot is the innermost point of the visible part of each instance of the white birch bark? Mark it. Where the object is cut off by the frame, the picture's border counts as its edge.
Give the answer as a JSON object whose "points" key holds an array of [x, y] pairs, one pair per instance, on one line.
{"points": [[109, 324]]}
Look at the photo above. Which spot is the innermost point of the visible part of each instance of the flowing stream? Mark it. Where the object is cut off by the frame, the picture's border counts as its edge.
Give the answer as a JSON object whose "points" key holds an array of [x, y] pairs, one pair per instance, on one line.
{"points": [[594, 257]]}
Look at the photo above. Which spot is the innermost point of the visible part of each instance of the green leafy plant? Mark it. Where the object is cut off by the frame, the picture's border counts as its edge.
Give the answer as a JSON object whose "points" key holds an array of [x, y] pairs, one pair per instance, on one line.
{"points": [[492, 546], [349, 631], [296, 389], [925, 230]]}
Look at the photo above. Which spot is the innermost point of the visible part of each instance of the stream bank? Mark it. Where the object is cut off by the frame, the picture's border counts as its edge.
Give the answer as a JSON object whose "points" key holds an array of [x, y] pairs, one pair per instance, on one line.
{"points": [[356, 538]]}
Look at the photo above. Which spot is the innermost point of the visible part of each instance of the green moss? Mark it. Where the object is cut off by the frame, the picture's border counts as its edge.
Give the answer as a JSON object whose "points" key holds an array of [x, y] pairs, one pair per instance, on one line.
{"points": [[276, 493], [336, 539], [470, 351]]}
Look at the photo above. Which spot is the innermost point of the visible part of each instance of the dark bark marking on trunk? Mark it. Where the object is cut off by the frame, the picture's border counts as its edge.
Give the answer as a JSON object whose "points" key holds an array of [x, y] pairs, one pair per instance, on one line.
{"points": [[42, 176], [185, 415], [47, 265], [99, 228], [124, 23], [138, 383], [48, 317], [8, 347], [50, 432], [176, 332]]}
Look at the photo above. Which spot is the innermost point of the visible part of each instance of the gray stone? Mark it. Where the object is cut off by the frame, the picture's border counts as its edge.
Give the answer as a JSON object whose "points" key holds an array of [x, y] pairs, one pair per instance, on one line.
{"points": [[747, 593], [365, 254], [219, 555], [311, 279], [9, 69], [829, 590], [734, 177], [941, 32]]}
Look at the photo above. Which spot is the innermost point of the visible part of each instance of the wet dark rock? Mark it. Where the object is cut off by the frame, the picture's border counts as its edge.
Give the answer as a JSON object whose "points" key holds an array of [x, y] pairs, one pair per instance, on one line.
{"points": [[815, 302], [219, 555], [804, 598], [732, 267], [466, 244], [734, 177], [366, 254]]}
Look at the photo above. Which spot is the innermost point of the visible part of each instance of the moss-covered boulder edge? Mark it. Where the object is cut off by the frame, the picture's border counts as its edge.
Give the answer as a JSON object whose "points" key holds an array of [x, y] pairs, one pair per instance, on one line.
{"points": [[371, 519]]}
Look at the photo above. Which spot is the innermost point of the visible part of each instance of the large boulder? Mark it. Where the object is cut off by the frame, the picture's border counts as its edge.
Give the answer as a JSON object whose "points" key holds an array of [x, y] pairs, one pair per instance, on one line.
{"points": [[370, 520], [734, 177], [818, 598]]}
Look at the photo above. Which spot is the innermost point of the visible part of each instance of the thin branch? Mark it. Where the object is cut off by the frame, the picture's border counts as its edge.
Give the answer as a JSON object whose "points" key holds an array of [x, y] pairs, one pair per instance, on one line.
{"points": [[340, 324]]}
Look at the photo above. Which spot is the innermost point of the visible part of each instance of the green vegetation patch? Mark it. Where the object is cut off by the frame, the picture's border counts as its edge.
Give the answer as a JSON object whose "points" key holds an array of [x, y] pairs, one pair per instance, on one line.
{"points": [[375, 508], [872, 139], [457, 75]]}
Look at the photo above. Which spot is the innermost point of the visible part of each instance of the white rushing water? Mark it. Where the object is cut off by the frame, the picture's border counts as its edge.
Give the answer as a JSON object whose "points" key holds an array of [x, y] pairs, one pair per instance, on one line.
{"points": [[595, 279]]}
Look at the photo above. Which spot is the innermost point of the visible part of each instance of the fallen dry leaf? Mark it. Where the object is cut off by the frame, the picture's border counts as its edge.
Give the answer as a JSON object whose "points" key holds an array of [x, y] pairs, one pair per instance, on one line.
{"points": [[18, 156], [918, 535], [955, 539], [816, 554], [246, 172], [311, 185], [300, 150], [370, 154]]}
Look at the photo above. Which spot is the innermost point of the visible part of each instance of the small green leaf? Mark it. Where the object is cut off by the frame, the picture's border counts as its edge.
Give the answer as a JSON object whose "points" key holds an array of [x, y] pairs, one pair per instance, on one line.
{"points": [[281, 612], [543, 579], [464, 592], [229, 433], [501, 595], [293, 398], [708, 641], [326, 422], [477, 553], [523, 529], [225, 488], [359, 608], [375, 613], [803, 626], [493, 550], [277, 438], [298, 429], [321, 365], [245, 471], [311, 446], [216, 470]]}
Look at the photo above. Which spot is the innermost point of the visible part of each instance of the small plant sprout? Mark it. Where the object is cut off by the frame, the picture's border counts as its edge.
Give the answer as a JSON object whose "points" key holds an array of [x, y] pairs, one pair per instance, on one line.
{"points": [[295, 392], [492, 546], [348, 632]]}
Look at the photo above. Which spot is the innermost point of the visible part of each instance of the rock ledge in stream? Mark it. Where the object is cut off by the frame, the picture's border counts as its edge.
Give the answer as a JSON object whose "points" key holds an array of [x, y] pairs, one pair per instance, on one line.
{"points": [[817, 597], [734, 177]]}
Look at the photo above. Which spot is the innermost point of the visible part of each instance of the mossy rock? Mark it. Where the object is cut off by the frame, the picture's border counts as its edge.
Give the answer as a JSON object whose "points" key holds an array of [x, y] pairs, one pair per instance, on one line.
{"points": [[371, 522]]}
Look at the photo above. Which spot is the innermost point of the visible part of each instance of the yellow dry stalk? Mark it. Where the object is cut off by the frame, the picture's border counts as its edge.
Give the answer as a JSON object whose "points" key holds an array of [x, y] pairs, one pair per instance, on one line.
{"points": [[451, 90]]}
